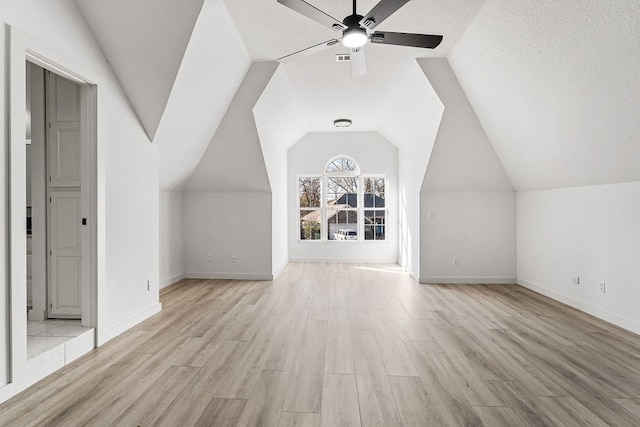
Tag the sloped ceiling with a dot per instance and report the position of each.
(144, 42)
(210, 74)
(278, 119)
(555, 85)
(462, 157)
(233, 161)
(324, 89)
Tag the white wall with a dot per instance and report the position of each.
(280, 125)
(412, 163)
(127, 207)
(374, 154)
(223, 225)
(467, 200)
(412, 127)
(227, 202)
(171, 238)
(477, 227)
(591, 232)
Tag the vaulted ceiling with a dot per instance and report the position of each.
(553, 83)
(144, 42)
(324, 88)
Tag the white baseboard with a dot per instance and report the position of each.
(230, 276)
(109, 334)
(346, 260)
(279, 269)
(620, 321)
(171, 280)
(470, 280)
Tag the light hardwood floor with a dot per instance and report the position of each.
(348, 345)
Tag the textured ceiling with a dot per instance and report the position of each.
(324, 89)
(555, 86)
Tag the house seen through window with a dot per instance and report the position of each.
(342, 204)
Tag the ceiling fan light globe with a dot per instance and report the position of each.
(354, 37)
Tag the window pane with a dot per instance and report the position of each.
(310, 224)
(379, 193)
(342, 165)
(374, 225)
(342, 224)
(342, 192)
(309, 192)
(374, 192)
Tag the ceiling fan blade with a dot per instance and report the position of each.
(308, 51)
(358, 62)
(314, 13)
(427, 41)
(380, 12)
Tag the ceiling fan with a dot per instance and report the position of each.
(357, 29)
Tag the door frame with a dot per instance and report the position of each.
(22, 48)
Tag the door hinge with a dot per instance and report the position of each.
(49, 199)
(84, 221)
(50, 305)
(49, 125)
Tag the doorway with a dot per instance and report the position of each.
(56, 256)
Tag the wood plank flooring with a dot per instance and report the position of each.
(347, 345)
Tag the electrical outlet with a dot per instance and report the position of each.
(234, 258)
(456, 262)
(210, 258)
(603, 287)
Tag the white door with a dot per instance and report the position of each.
(64, 192)
(65, 255)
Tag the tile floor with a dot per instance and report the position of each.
(45, 335)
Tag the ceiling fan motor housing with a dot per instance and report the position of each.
(352, 21)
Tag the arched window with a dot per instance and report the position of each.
(342, 204)
(342, 165)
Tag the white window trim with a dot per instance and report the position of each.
(324, 229)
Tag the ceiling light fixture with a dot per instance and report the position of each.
(342, 123)
(354, 37)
